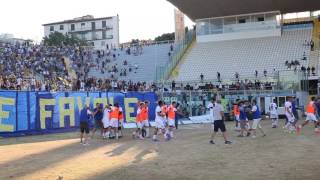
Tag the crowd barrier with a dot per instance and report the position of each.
(28, 113)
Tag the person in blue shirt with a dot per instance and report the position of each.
(98, 115)
(294, 111)
(256, 114)
(85, 114)
(243, 120)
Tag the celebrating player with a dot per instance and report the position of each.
(256, 119)
(160, 121)
(171, 118)
(273, 110)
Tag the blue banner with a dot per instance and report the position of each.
(44, 112)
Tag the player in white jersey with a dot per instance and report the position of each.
(289, 115)
(106, 121)
(273, 111)
(210, 107)
(160, 124)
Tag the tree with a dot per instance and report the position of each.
(58, 39)
(165, 37)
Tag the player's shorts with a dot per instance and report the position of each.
(290, 118)
(237, 117)
(311, 117)
(274, 116)
(143, 124)
(106, 123)
(97, 124)
(120, 123)
(256, 123)
(84, 127)
(171, 122)
(114, 123)
(219, 124)
(243, 124)
(160, 124)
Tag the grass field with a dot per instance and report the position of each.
(279, 155)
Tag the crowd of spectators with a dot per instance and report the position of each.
(235, 86)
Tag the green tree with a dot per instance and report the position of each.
(165, 37)
(58, 39)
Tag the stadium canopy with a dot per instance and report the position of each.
(200, 9)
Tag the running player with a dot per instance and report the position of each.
(171, 118)
(311, 115)
(273, 110)
(256, 119)
(289, 116)
(160, 116)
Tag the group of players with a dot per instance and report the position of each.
(242, 108)
(110, 120)
(164, 121)
(312, 113)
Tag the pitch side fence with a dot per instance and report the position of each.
(28, 113)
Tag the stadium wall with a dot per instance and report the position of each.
(28, 113)
(239, 35)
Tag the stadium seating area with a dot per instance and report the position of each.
(246, 56)
(142, 65)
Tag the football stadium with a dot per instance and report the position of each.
(235, 96)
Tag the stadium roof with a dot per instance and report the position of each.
(199, 9)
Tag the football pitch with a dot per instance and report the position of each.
(189, 155)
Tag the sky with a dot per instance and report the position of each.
(139, 19)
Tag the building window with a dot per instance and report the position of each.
(83, 36)
(72, 27)
(51, 28)
(260, 19)
(83, 24)
(104, 36)
(103, 43)
(61, 27)
(241, 21)
(104, 24)
(93, 25)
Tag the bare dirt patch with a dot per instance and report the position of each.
(279, 155)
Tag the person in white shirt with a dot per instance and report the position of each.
(81, 86)
(290, 119)
(218, 117)
(210, 107)
(273, 111)
(19, 82)
(106, 121)
(160, 124)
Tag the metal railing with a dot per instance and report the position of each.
(278, 80)
(164, 72)
(194, 103)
